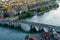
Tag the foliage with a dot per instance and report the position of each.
(26, 14)
(1, 6)
(6, 6)
(40, 9)
(6, 14)
(17, 14)
(57, 5)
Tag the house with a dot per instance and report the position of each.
(24, 8)
(11, 11)
(1, 15)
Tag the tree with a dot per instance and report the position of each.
(26, 14)
(7, 6)
(6, 14)
(1, 6)
(40, 9)
(29, 14)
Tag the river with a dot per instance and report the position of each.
(11, 34)
(52, 18)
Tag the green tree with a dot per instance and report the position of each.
(26, 14)
(6, 14)
(40, 9)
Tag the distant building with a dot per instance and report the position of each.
(1, 15)
(11, 11)
(19, 8)
(24, 8)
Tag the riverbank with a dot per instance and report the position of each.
(52, 17)
(39, 11)
(42, 10)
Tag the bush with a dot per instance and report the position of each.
(40, 9)
(6, 14)
(57, 5)
(17, 14)
(26, 14)
(1, 6)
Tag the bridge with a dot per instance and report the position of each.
(19, 22)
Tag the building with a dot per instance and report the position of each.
(11, 11)
(24, 8)
(1, 15)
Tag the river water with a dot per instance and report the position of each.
(52, 18)
(11, 34)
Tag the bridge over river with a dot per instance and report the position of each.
(27, 25)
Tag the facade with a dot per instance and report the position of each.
(11, 11)
(24, 8)
(1, 15)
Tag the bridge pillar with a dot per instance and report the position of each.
(6, 24)
(18, 26)
(0, 23)
(11, 24)
(34, 28)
